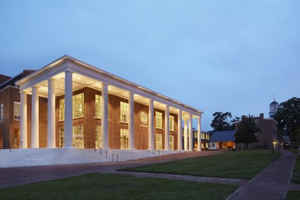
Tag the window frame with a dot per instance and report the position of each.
(124, 105)
(158, 122)
(17, 118)
(98, 106)
(172, 125)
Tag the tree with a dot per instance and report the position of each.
(246, 130)
(222, 121)
(288, 119)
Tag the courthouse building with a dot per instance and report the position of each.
(69, 104)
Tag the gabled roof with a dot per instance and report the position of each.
(222, 136)
(3, 78)
(107, 74)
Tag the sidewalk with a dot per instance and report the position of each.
(271, 184)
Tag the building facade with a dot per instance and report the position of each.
(71, 104)
(10, 110)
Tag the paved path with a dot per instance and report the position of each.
(185, 177)
(272, 183)
(24, 175)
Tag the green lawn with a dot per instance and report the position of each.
(296, 174)
(244, 164)
(293, 195)
(110, 186)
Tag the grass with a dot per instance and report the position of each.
(116, 187)
(244, 164)
(293, 195)
(296, 173)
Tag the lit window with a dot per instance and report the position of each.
(98, 141)
(78, 105)
(124, 112)
(158, 142)
(61, 110)
(158, 120)
(1, 111)
(123, 138)
(17, 110)
(171, 142)
(60, 137)
(171, 123)
(78, 140)
(98, 102)
(144, 117)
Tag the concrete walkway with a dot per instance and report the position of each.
(185, 177)
(272, 183)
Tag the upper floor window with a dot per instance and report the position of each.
(171, 123)
(78, 105)
(124, 112)
(98, 103)
(158, 120)
(16, 110)
(61, 110)
(144, 118)
(1, 111)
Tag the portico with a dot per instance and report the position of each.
(70, 104)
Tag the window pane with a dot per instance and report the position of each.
(124, 138)
(98, 137)
(158, 142)
(158, 119)
(98, 103)
(16, 110)
(60, 137)
(171, 142)
(171, 123)
(124, 112)
(1, 111)
(61, 110)
(78, 105)
(78, 140)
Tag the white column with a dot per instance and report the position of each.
(68, 135)
(191, 133)
(23, 120)
(104, 120)
(131, 120)
(151, 125)
(51, 114)
(199, 133)
(179, 131)
(185, 135)
(35, 118)
(167, 128)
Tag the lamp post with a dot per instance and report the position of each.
(275, 145)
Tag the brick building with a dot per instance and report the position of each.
(71, 104)
(10, 110)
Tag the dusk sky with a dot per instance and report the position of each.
(234, 55)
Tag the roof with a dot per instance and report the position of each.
(12, 81)
(4, 78)
(274, 103)
(98, 70)
(222, 136)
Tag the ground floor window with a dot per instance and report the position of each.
(78, 139)
(158, 141)
(60, 143)
(171, 142)
(123, 138)
(98, 142)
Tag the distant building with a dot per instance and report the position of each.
(222, 140)
(268, 131)
(273, 108)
